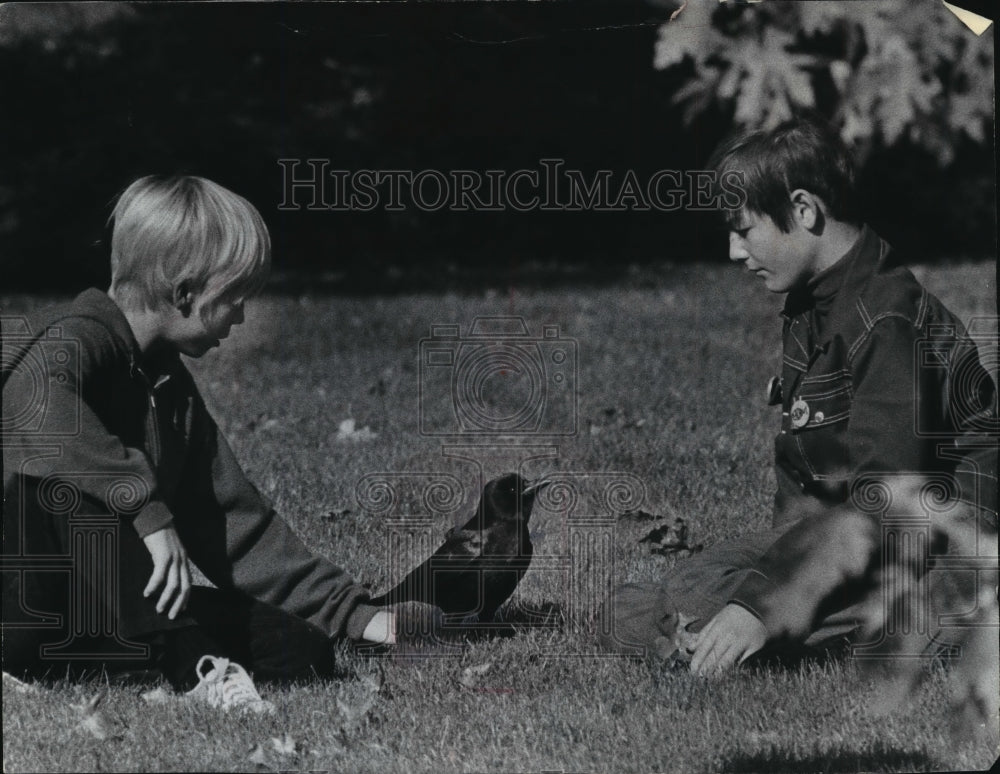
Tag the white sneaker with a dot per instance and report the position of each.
(227, 685)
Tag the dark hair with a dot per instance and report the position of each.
(800, 153)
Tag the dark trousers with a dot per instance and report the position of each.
(72, 604)
(638, 614)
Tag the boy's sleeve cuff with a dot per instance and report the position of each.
(154, 517)
(359, 619)
(753, 593)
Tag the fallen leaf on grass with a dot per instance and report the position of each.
(158, 695)
(355, 713)
(686, 639)
(471, 674)
(258, 756)
(95, 721)
(678, 644)
(680, 553)
(670, 538)
(346, 432)
(373, 683)
(284, 745)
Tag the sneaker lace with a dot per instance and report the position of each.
(228, 685)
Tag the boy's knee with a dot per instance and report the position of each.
(300, 654)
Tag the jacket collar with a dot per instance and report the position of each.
(823, 301)
(97, 304)
(844, 279)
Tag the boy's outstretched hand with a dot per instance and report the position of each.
(732, 636)
(170, 567)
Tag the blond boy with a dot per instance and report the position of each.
(122, 410)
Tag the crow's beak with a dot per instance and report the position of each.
(536, 485)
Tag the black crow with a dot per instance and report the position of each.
(480, 563)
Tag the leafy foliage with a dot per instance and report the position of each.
(882, 72)
(106, 92)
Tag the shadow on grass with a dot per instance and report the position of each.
(423, 631)
(836, 760)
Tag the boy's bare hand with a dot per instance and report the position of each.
(170, 567)
(732, 636)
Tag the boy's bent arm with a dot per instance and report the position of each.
(238, 541)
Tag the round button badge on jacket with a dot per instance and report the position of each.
(800, 413)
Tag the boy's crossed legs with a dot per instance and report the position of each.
(699, 587)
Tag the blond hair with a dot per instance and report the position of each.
(186, 232)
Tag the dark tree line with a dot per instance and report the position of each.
(95, 95)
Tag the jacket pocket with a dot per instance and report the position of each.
(820, 414)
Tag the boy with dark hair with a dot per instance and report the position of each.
(852, 396)
(124, 432)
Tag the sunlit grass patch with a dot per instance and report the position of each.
(672, 377)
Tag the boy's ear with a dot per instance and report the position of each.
(183, 298)
(807, 209)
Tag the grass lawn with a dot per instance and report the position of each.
(672, 369)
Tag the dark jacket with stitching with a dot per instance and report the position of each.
(878, 379)
(84, 415)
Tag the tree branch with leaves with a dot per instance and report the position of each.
(881, 72)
